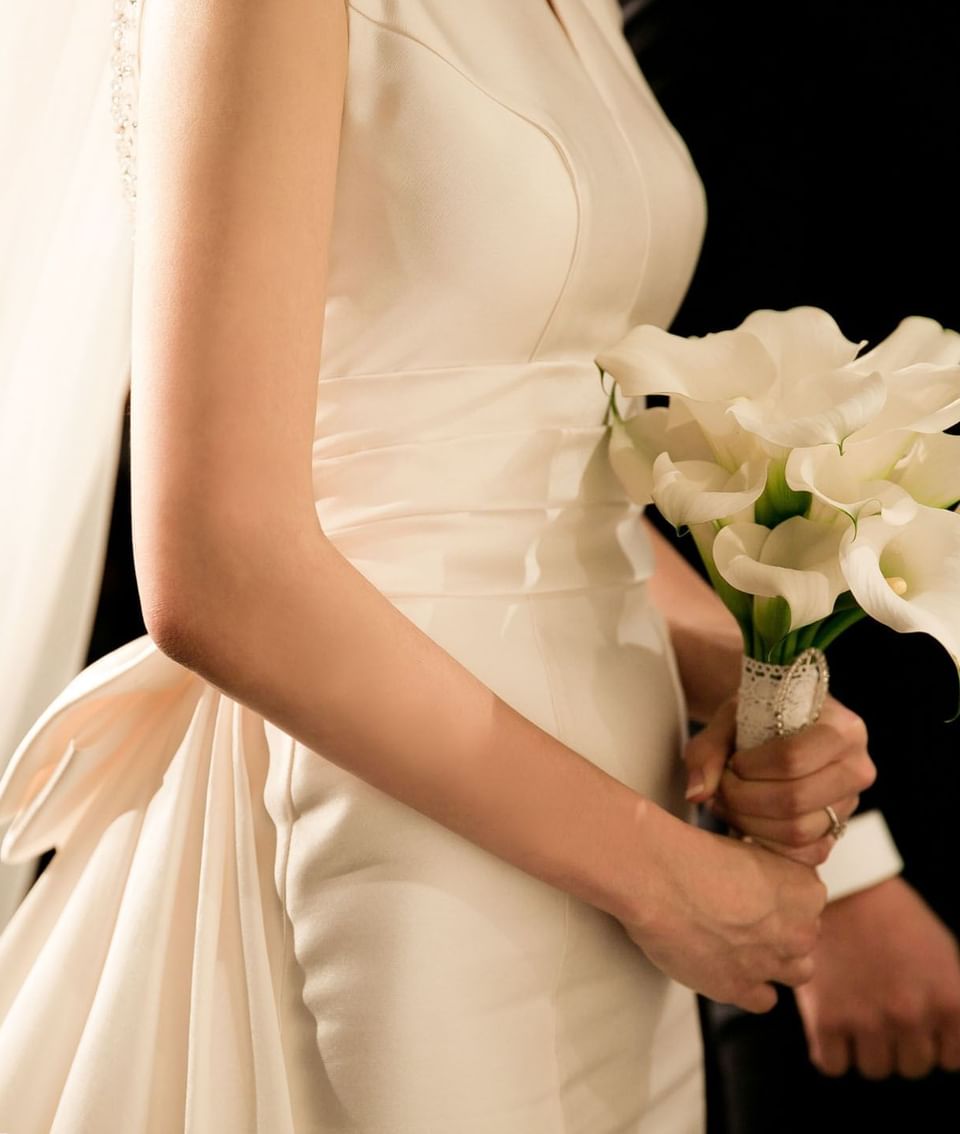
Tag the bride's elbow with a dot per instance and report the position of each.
(178, 574)
(208, 584)
(173, 615)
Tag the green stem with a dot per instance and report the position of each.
(757, 650)
(788, 648)
(807, 635)
(612, 408)
(831, 628)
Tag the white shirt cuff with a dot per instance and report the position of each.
(865, 856)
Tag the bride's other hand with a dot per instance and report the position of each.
(723, 917)
(778, 792)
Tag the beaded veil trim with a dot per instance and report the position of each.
(123, 92)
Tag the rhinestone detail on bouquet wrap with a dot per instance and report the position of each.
(123, 92)
(777, 700)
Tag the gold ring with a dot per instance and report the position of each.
(836, 827)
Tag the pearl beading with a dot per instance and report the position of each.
(123, 92)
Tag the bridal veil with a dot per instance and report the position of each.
(66, 252)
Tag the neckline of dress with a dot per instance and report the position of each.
(561, 13)
(557, 16)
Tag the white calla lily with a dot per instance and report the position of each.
(636, 442)
(783, 377)
(923, 398)
(858, 481)
(633, 446)
(908, 576)
(694, 492)
(915, 339)
(685, 438)
(930, 470)
(804, 469)
(801, 341)
(797, 561)
(716, 367)
(824, 409)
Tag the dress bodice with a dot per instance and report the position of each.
(508, 187)
(506, 191)
(510, 199)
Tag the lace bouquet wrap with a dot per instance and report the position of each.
(776, 700)
(817, 481)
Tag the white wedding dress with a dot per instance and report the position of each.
(237, 934)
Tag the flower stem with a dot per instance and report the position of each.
(612, 408)
(757, 650)
(831, 628)
(807, 635)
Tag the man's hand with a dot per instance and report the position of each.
(885, 994)
(777, 792)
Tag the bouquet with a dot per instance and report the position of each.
(816, 480)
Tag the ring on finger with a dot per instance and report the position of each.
(837, 828)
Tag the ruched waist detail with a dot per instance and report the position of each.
(475, 480)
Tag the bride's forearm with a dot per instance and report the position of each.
(704, 633)
(289, 627)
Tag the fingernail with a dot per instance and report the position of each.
(695, 784)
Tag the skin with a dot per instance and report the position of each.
(238, 138)
(775, 793)
(885, 995)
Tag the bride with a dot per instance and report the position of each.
(382, 827)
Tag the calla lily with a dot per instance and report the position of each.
(858, 481)
(685, 439)
(801, 341)
(694, 492)
(637, 441)
(701, 375)
(915, 339)
(923, 398)
(633, 446)
(908, 576)
(715, 368)
(881, 474)
(782, 376)
(824, 409)
(797, 561)
(804, 469)
(930, 470)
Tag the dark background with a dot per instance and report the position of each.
(827, 139)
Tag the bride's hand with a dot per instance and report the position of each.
(725, 917)
(777, 793)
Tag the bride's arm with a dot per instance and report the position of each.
(705, 635)
(239, 121)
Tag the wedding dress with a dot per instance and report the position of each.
(236, 934)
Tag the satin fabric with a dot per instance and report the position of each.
(238, 934)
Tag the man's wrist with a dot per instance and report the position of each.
(865, 856)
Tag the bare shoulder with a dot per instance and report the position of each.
(240, 107)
